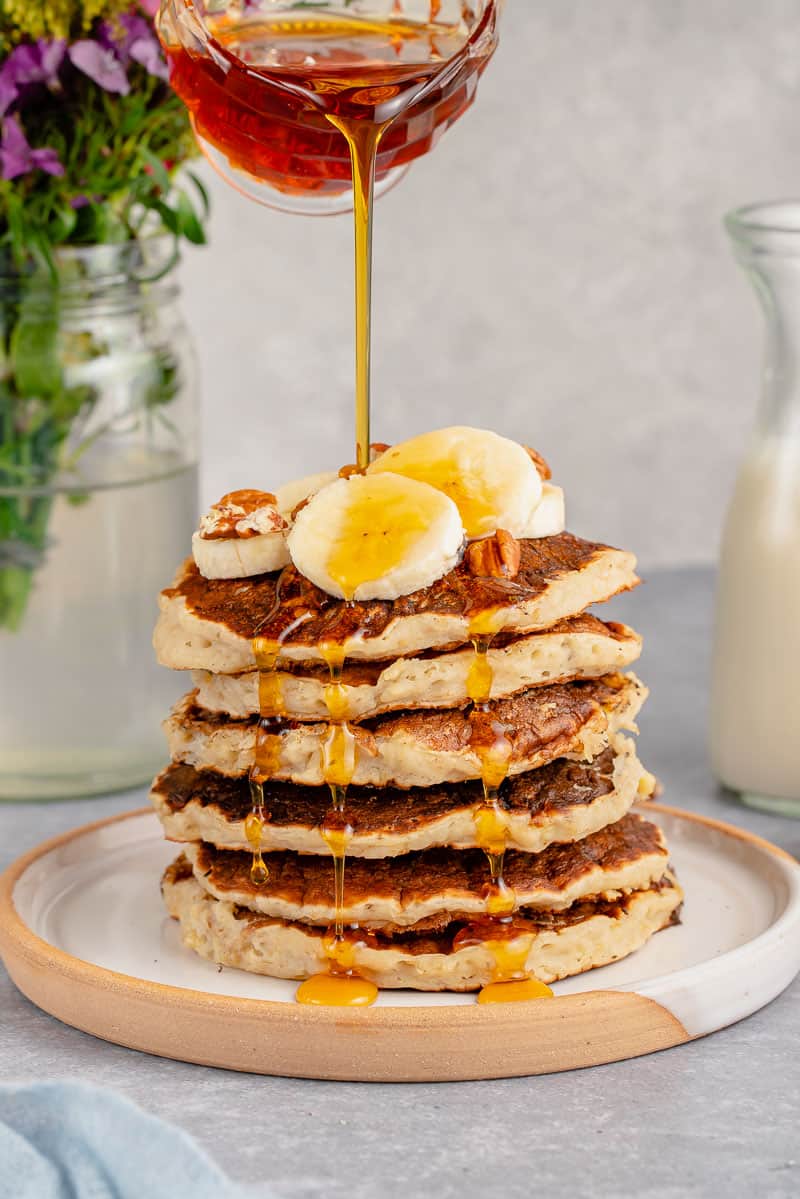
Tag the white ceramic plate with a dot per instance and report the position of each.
(90, 903)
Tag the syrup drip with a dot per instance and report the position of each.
(254, 831)
(490, 741)
(267, 754)
(271, 724)
(509, 948)
(341, 986)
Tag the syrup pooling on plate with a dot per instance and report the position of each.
(514, 992)
(341, 986)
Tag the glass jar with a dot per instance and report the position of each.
(755, 730)
(98, 498)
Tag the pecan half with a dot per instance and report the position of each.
(539, 462)
(347, 472)
(248, 500)
(494, 557)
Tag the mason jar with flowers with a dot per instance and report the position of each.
(98, 400)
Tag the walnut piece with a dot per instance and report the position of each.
(494, 557)
(246, 513)
(539, 462)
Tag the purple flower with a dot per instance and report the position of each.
(17, 158)
(101, 65)
(137, 43)
(8, 92)
(148, 55)
(30, 65)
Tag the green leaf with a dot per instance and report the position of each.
(159, 171)
(62, 223)
(205, 199)
(169, 216)
(34, 354)
(190, 225)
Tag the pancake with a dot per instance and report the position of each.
(422, 748)
(626, 856)
(209, 624)
(580, 647)
(589, 933)
(564, 801)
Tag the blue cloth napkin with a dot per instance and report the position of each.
(69, 1140)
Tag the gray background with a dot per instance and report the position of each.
(555, 270)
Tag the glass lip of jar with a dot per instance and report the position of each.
(101, 266)
(770, 227)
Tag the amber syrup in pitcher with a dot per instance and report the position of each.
(265, 89)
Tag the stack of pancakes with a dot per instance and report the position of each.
(456, 874)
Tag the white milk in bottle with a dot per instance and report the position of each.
(755, 700)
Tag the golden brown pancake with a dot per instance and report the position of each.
(209, 624)
(580, 647)
(422, 749)
(563, 801)
(457, 956)
(628, 855)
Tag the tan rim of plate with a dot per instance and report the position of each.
(402, 1044)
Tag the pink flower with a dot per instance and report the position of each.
(151, 7)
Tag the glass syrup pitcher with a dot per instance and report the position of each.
(755, 717)
(268, 84)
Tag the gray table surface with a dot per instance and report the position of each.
(717, 1117)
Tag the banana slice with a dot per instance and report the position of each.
(291, 494)
(242, 535)
(549, 516)
(376, 537)
(493, 481)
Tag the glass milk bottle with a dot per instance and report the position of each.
(755, 702)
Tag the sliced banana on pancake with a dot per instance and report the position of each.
(293, 493)
(549, 517)
(380, 537)
(242, 535)
(493, 481)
